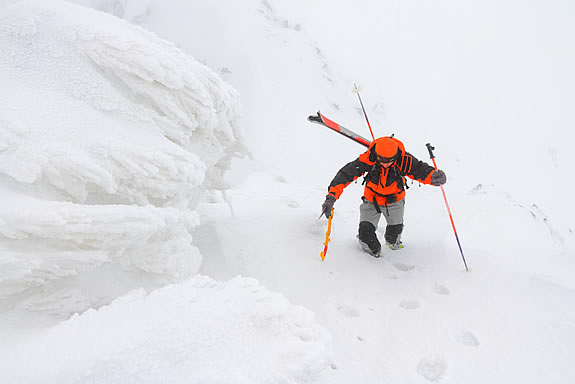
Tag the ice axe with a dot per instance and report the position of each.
(324, 252)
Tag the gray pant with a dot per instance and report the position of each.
(393, 212)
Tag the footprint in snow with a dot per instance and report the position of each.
(403, 267)
(318, 227)
(409, 304)
(440, 289)
(432, 368)
(292, 204)
(348, 311)
(467, 338)
(390, 276)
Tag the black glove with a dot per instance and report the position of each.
(327, 205)
(438, 177)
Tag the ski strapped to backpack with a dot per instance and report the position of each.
(322, 120)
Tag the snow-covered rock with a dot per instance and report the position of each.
(109, 136)
(119, 115)
(48, 241)
(200, 331)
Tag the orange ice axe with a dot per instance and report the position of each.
(324, 252)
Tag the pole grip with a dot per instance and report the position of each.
(430, 148)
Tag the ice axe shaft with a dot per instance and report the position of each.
(430, 148)
(324, 252)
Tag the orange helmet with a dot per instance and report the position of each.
(387, 150)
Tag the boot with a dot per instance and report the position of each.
(368, 239)
(393, 235)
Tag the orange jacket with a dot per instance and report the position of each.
(382, 185)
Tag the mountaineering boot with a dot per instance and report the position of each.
(393, 235)
(368, 239)
(395, 246)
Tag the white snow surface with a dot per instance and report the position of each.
(185, 333)
(138, 243)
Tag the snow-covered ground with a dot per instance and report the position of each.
(161, 186)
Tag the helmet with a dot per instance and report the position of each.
(387, 150)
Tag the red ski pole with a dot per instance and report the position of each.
(432, 156)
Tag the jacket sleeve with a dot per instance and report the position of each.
(415, 169)
(347, 174)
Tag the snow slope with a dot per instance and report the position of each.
(488, 84)
(414, 316)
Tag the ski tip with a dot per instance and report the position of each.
(315, 118)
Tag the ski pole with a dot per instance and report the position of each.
(324, 252)
(432, 156)
(356, 89)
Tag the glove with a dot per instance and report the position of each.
(438, 177)
(327, 205)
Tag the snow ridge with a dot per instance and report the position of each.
(186, 333)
